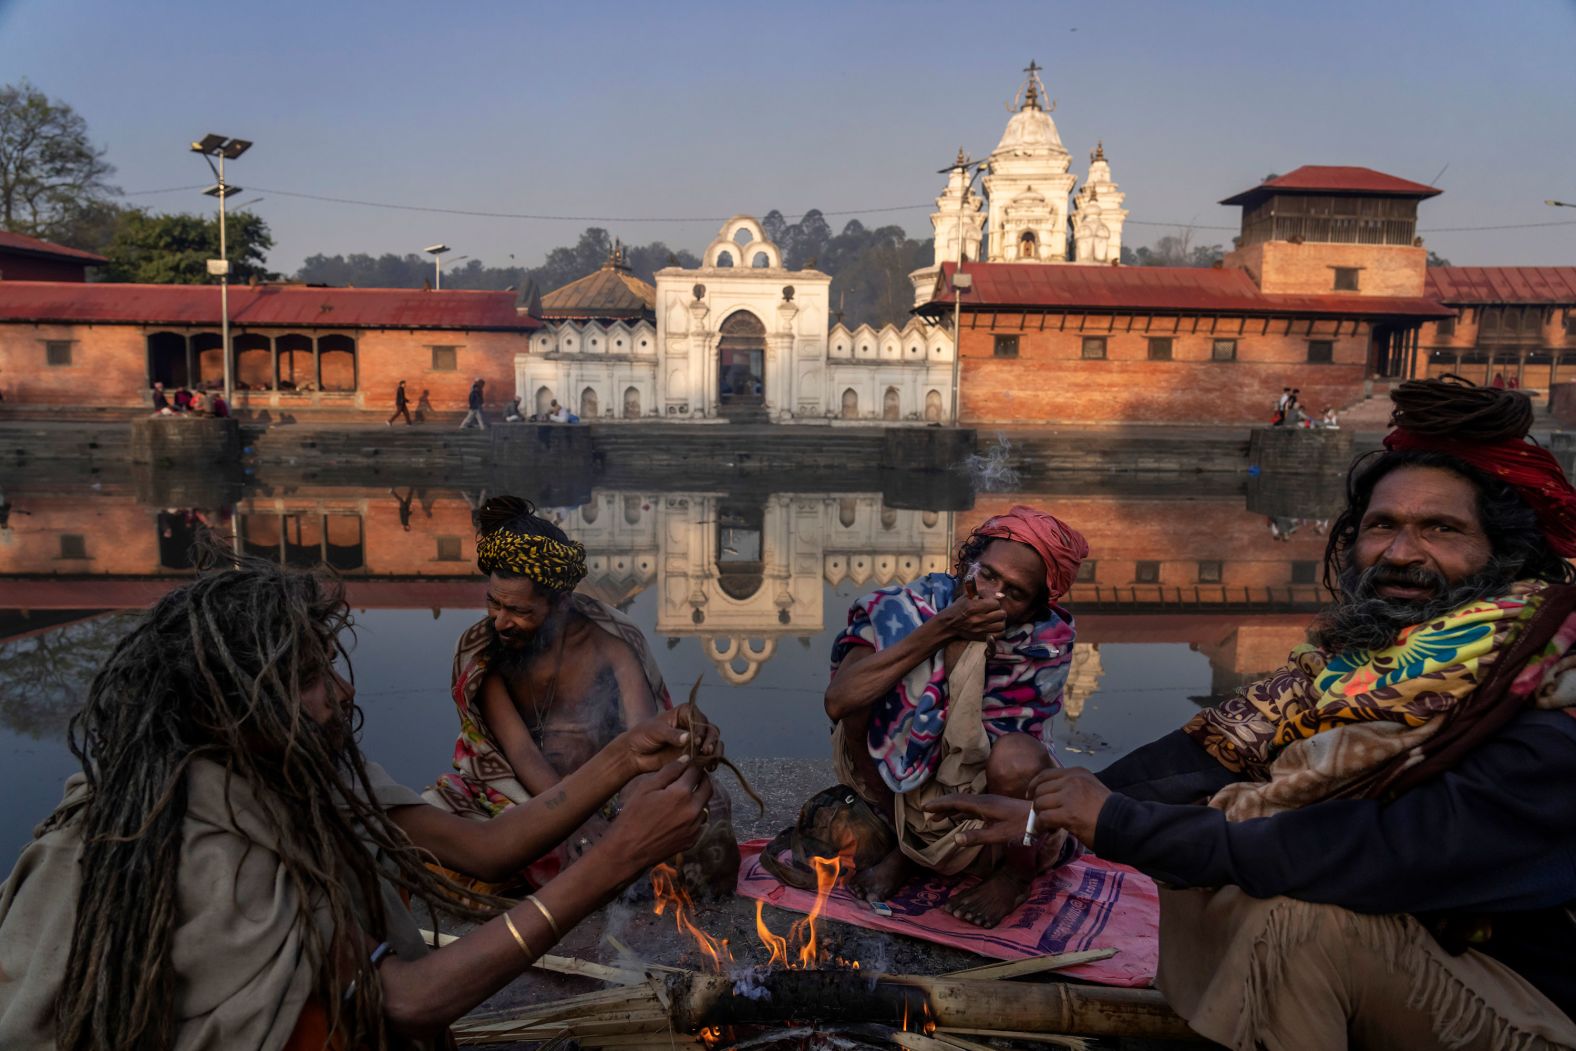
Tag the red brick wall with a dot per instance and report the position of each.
(109, 367)
(1050, 382)
(1309, 268)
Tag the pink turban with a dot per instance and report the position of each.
(1059, 545)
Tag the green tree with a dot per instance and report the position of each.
(174, 249)
(51, 175)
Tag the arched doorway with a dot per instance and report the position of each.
(544, 402)
(933, 406)
(890, 405)
(631, 403)
(850, 404)
(168, 364)
(741, 363)
(1028, 246)
(588, 404)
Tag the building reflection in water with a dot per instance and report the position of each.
(742, 575)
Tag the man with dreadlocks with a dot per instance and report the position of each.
(1388, 854)
(227, 870)
(545, 681)
(949, 684)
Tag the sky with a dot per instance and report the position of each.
(610, 113)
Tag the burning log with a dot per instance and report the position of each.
(918, 1004)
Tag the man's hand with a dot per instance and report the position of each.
(1004, 818)
(666, 736)
(1070, 798)
(664, 818)
(974, 617)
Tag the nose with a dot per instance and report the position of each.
(1405, 549)
(346, 688)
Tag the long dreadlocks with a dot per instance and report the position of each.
(215, 671)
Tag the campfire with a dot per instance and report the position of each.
(802, 996)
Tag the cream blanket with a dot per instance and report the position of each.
(240, 954)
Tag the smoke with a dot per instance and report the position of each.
(992, 471)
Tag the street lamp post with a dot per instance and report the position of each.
(436, 251)
(961, 282)
(211, 146)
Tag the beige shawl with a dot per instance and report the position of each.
(243, 970)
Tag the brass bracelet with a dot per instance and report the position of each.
(552, 924)
(519, 938)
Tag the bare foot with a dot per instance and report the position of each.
(881, 880)
(985, 904)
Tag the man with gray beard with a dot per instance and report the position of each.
(1387, 857)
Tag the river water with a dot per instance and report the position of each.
(1187, 593)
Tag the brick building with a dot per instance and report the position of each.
(1326, 288)
(1517, 322)
(24, 258)
(295, 347)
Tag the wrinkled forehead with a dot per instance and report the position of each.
(1409, 494)
(512, 591)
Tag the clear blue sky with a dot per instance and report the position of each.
(707, 109)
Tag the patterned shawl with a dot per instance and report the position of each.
(483, 784)
(1024, 675)
(1361, 723)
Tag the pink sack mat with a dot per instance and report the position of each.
(1085, 904)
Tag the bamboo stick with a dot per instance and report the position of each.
(1033, 965)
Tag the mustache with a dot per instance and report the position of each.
(1381, 575)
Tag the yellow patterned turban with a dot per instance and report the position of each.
(551, 563)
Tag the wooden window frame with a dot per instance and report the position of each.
(1170, 344)
(439, 350)
(1210, 571)
(1146, 571)
(1327, 357)
(1347, 273)
(1214, 350)
(1096, 343)
(53, 347)
(1004, 346)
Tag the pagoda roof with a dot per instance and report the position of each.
(1345, 180)
(610, 293)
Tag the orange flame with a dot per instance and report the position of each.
(800, 950)
(776, 944)
(665, 887)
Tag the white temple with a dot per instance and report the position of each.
(1028, 205)
(743, 338)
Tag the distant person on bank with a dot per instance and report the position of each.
(512, 413)
(401, 405)
(544, 682)
(228, 869)
(217, 406)
(161, 401)
(1386, 857)
(949, 684)
(424, 406)
(475, 401)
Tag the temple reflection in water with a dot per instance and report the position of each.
(741, 574)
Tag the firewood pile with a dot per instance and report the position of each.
(754, 1009)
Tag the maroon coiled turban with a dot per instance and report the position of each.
(1059, 545)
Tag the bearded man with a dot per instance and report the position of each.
(1388, 854)
(949, 684)
(544, 682)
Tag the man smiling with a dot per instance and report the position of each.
(1388, 854)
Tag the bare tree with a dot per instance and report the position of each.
(50, 172)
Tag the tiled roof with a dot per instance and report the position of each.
(1169, 289)
(1503, 284)
(1339, 179)
(611, 292)
(267, 306)
(35, 246)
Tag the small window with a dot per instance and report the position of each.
(449, 549)
(1345, 278)
(1224, 350)
(1147, 573)
(1006, 346)
(1304, 572)
(1446, 327)
(1209, 572)
(1086, 571)
(73, 545)
(445, 359)
(1160, 348)
(57, 352)
(1094, 348)
(1321, 351)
